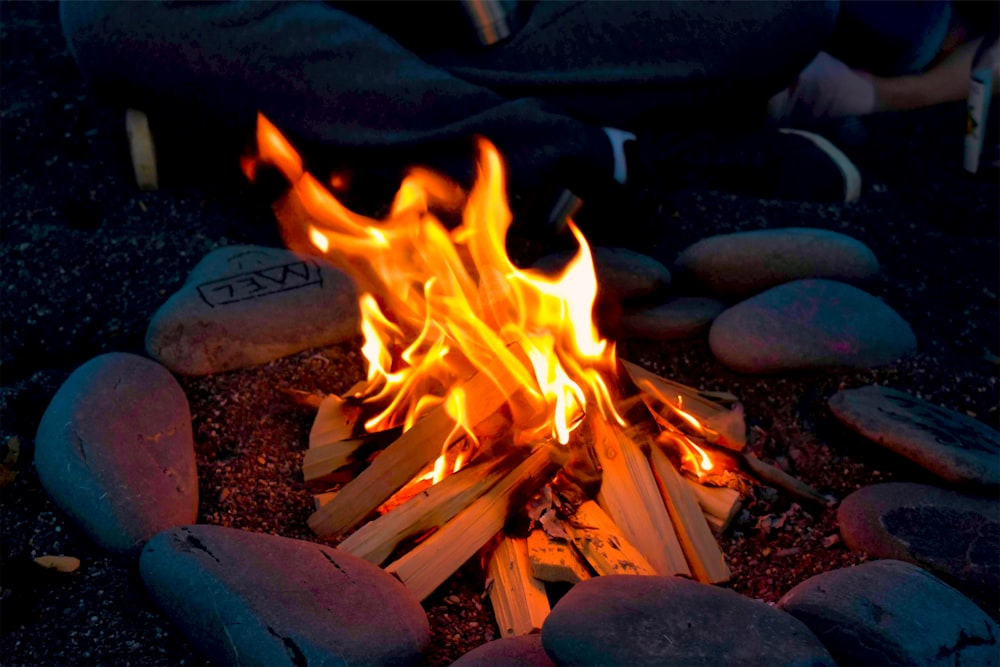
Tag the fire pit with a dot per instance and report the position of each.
(492, 407)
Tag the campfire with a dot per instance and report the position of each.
(494, 419)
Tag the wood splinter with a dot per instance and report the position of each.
(601, 542)
(519, 600)
(555, 560)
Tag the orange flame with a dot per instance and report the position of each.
(437, 304)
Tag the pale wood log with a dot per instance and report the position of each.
(719, 412)
(519, 601)
(602, 543)
(631, 497)
(336, 420)
(707, 562)
(403, 460)
(142, 150)
(321, 464)
(320, 499)
(720, 504)
(435, 559)
(430, 509)
(555, 560)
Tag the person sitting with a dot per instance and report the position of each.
(577, 95)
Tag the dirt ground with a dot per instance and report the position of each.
(87, 258)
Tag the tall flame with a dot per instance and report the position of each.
(439, 304)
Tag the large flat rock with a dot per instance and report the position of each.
(115, 451)
(955, 447)
(739, 265)
(648, 620)
(246, 305)
(809, 325)
(955, 536)
(889, 612)
(251, 599)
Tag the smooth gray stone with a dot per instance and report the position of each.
(953, 446)
(735, 266)
(252, 599)
(247, 305)
(677, 319)
(955, 536)
(647, 620)
(622, 274)
(115, 450)
(888, 612)
(809, 325)
(523, 651)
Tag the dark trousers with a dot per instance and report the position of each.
(326, 76)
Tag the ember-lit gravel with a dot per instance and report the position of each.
(87, 259)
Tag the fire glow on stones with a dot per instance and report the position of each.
(499, 398)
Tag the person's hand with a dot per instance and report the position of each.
(826, 88)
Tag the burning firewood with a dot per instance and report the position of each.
(336, 420)
(707, 562)
(412, 451)
(428, 510)
(720, 504)
(321, 464)
(435, 559)
(601, 542)
(554, 560)
(630, 496)
(519, 599)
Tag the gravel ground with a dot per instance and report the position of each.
(87, 259)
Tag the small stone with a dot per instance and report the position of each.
(956, 448)
(736, 266)
(622, 275)
(248, 598)
(955, 536)
(889, 612)
(523, 651)
(809, 325)
(247, 305)
(677, 319)
(115, 450)
(647, 620)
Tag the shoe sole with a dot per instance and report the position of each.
(852, 177)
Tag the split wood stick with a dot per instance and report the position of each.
(336, 420)
(519, 601)
(707, 562)
(555, 560)
(602, 543)
(438, 557)
(631, 497)
(321, 463)
(720, 504)
(142, 150)
(431, 508)
(321, 499)
(719, 412)
(406, 457)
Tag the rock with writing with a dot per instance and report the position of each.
(677, 319)
(808, 325)
(649, 620)
(955, 536)
(889, 612)
(247, 305)
(115, 451)
(251, 599)
(523, 651)
(957, 448)
(735, 266)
